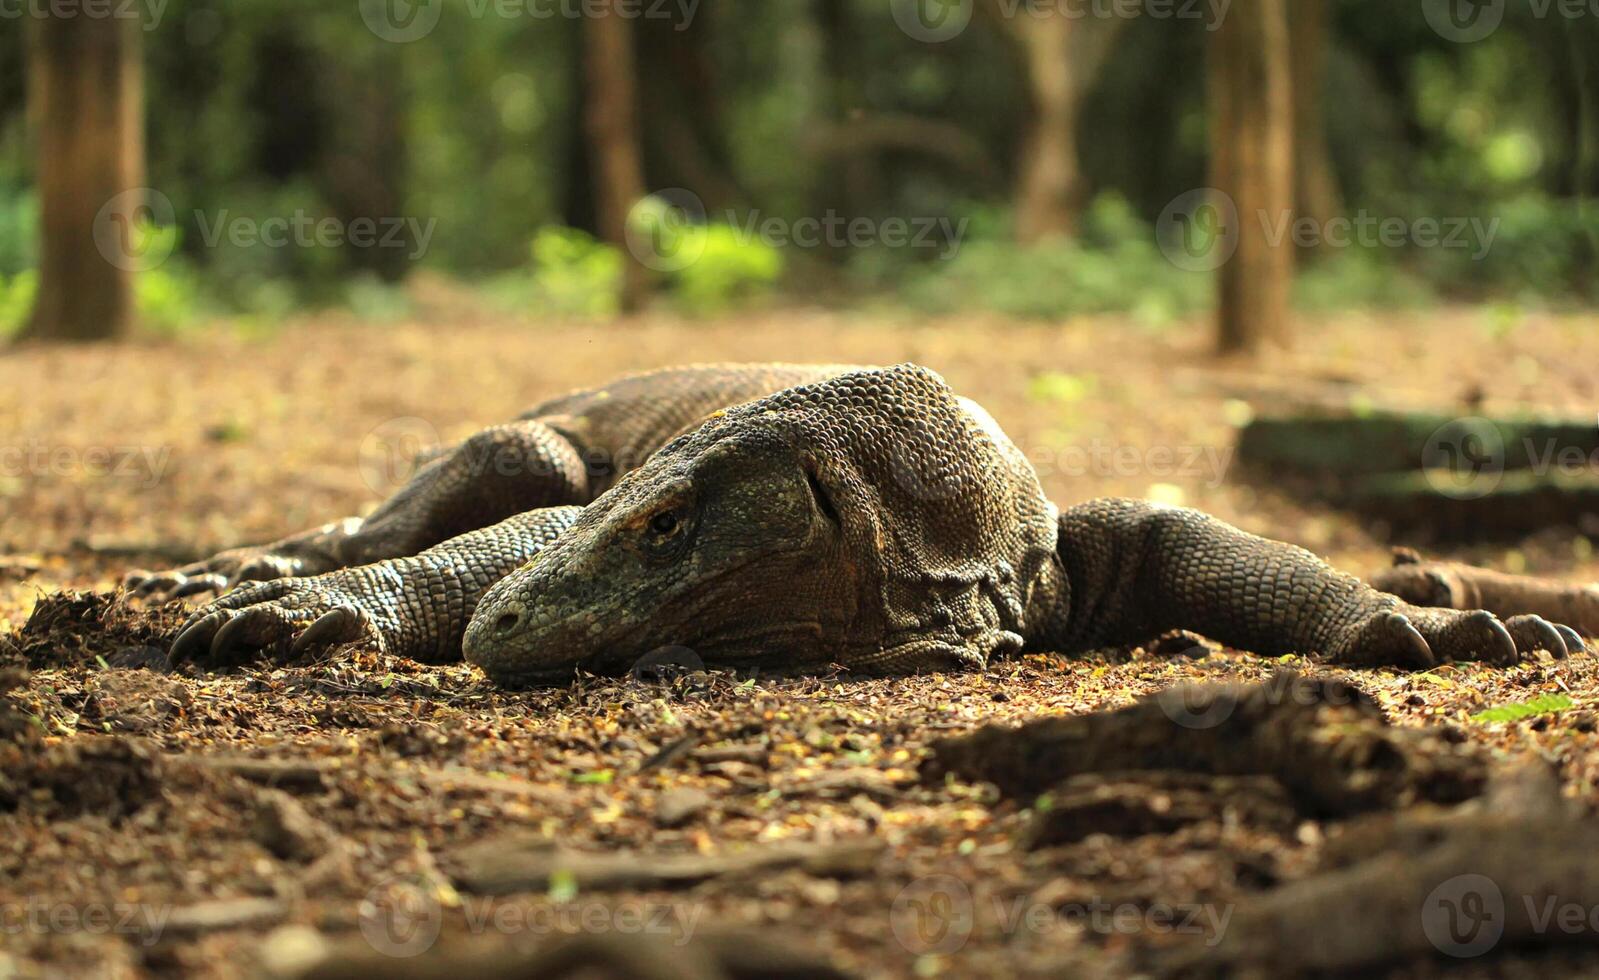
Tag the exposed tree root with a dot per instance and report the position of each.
(623, 956)
(1520, 867)
(1327, 743)
(1138, 803)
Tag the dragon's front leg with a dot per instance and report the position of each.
(499, 472)
(416, 606)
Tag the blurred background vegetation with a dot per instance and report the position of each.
(807, 108)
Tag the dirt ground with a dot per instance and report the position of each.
(210, 824)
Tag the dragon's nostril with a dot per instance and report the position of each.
(507, 622)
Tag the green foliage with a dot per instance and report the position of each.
(1060, 388)
(1114, 266)
(1543, 704)
(19, 230)
(370, 298)
(705, 267)
(281, 107)
(711, 268)
(1358, 278)
(167, 295)
(167, 299)
(1540, 249)
(575, 274)
(16, 300)
(730, 270)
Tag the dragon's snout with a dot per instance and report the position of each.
(499, 640)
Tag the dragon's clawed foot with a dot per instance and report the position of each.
(215, 574)
(310, 553)
(292, 616)
(1421, 637)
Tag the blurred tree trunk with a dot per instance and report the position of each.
(683, 129)
(1316, 190)
(1063, 55)
(579, 194)
(1576, 173)
(361, 171)
(1251, 145)
(852, 176)
(611, 102)
(85, 102)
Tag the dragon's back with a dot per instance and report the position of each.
(620, 424)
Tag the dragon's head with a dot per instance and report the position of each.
(862, 520)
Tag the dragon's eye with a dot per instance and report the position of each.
(664, 523)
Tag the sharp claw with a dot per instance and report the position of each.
(233, 629)
(337, 625)
(1574, 641)
(1507, 654)
(1411, 640)
(1535, 633)
(196, 637)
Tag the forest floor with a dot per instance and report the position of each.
(212, 823)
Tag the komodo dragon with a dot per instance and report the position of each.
(788, 517)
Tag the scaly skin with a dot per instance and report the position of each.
(870, 519)
(564, 451)
(417, 606)
(1138, 570)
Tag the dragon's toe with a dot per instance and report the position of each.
(1532, 633)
